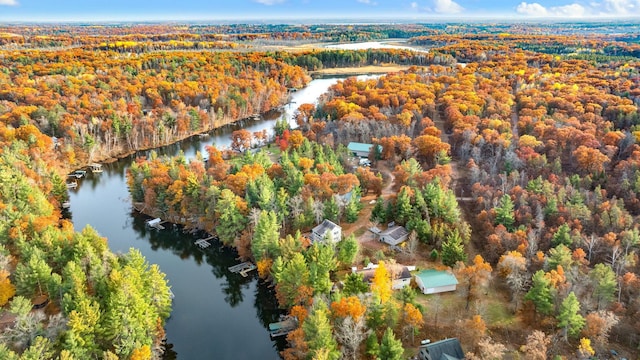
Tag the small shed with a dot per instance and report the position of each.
(361, 149)
(394, 235)
(447, 349)
(434, 281)
(322, 231)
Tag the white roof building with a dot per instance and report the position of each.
(322, 231)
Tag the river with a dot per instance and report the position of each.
(216, 314)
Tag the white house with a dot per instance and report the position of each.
(432, 281)
(322, 231)
(394, 235)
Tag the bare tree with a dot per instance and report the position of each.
(536, 346)
(616, 259)
(318, 210)
(518, 282)
(599, 325)
(350, 333)
(412, 243)
(254, 216)
(295, 203)
(592, 244)
(487, 349)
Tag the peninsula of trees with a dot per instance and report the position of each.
(512, 158)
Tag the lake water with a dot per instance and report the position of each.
(216, 314)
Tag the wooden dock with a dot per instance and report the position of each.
(204, 243)
(243, 268)
(156, 223)
(283, 327)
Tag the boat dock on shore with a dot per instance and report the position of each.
(243, 268)
(156, 223)
(281, 328)
(205, 242)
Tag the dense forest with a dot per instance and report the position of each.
(512, 159)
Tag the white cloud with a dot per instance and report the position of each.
(264, 2)
(572, 10)
(446, 7)
(414, 5)
(537, 10)
(533, 9)
(8, 2)
(576, 10)
(620, 7)
(368, 2)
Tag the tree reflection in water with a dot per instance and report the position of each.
(220, 258)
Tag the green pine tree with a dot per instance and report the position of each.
(569, 318)
(348, 250)
(453, 249)
(331, 210)
(403, 208)
(390, 347)
(265, 236)
(354, 285)
(605, 283)
(372, 346)
(379, 212)
(541, 293)
(504, 213)
(231, 221)
(559, 255)
(351, 210)
(322, 261)
(562, 236)
(318, 333)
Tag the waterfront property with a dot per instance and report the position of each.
(432, 281)
(325, 230)
(447, 349)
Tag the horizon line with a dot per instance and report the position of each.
(506, 19)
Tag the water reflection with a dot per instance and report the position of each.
(213, 316)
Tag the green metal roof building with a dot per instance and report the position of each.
(432, 281)
(361, 149)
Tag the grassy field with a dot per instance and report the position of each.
(371, 69)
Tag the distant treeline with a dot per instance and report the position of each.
(317, 60)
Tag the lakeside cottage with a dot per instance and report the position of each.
(432, 281)
(394, 235)
(322, 231)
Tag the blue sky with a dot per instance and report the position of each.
(225, 10)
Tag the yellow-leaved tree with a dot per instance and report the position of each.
(381, 282)
(141, 353)
(7, 290)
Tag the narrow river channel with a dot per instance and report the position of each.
(216, 314)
